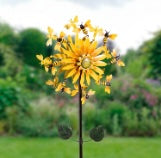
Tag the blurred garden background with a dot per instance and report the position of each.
(30, 110)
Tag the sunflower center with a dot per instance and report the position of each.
(86, 63)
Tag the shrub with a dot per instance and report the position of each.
(39, 120)
(10, 65)
(11, 94)
(31, 43)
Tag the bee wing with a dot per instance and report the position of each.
(107, 89)
(75, 19)
(91, 29)
(50, 30)
(59, 87)
(49, 42)
(53, 70)
(46, 69)
(74, 92)
(100, 32)
(62, 34)
(55, 82)
(39, 57)
(108, 78)
(112, 36)
(87, 23)
(76, 86)
(57, 46)
(120, 63)
(91, 92)
(108, 56)
(67, 26)
(55, 37)
(67, 90)
(113, 53)
(76, 30)
(83, 99)
(49, 83)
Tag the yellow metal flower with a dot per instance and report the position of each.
(85, 59)
(80, 58)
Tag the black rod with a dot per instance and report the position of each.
(80, 120)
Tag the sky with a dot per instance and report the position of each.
(133, 20)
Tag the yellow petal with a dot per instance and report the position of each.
(98, 50)
(39, 57)
(98, 70)
(71, 73)
(100, 57)
(58, 56)
(100, 63)
(68, 67)
(94, 75)
(88, 78)
(68, 53)
(76, 77)
(67, 60)
(82, 79)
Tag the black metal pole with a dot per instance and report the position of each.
(80, 120)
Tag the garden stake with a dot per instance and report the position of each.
(80, 58)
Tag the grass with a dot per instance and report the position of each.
(57, 148)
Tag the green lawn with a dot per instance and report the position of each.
(57, 148)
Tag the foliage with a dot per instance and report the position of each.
(10, 65)
(32, 41)
(39, 120)
(8, 36)
(10, 95)
(152, 49)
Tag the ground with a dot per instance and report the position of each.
(57, 148)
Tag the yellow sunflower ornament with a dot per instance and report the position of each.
(81, 58)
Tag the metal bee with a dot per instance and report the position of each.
(108, 35)
(64, 131)
(97, 133)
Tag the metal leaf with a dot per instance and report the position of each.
(97, 133)
(64, 131)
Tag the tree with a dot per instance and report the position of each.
(32, 42)
(152, 48)
(7, 35)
